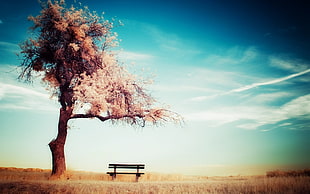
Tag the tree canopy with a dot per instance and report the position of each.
(71, 47)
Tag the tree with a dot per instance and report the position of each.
(71, 48)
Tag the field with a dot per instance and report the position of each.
(13, 180)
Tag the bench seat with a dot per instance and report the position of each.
(111, 173)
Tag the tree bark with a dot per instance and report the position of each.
(57, 146)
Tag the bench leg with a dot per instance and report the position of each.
(137, 177)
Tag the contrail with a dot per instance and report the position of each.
(244, 88)
(248, 87)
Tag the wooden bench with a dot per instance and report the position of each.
(126, 166)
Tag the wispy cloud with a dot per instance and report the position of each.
(188, 88)
(253, 117)
(134, 56)
(252, 110)
(171, 42)
(162, 40)
(17, 97)
(298, 108)
(1, 22)
(224, 115)
(264, 98)
(292, 65)
(233, 56)
(13, 89)
(10, 47)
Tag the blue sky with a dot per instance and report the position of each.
(237, 71)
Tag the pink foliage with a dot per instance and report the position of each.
(72, 52)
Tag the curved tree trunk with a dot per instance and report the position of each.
(57, 145)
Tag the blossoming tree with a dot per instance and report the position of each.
(71, 51)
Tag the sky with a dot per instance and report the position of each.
(237, 71)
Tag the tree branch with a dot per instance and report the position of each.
(102, 118)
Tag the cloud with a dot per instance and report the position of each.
(10, 47)
(1, 22)
(213, 78)
(268, 97)
(13, 89)
(134, 56)
(285, 63)
(250, 110)
(223, 73)
(298, 107)
(252, 117)
(224, 115)
(188, 88)
(161, 40)
(244, 67)
(171, 42)
(233, 56)
(17, 97)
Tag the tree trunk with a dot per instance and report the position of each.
(57, 145)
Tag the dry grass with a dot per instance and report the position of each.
(36, 181)
(280, 173)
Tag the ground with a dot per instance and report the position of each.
(14, 180)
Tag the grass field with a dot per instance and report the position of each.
(36, 181)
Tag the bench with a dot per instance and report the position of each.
(126, 166)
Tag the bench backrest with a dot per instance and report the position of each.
(129, 166)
